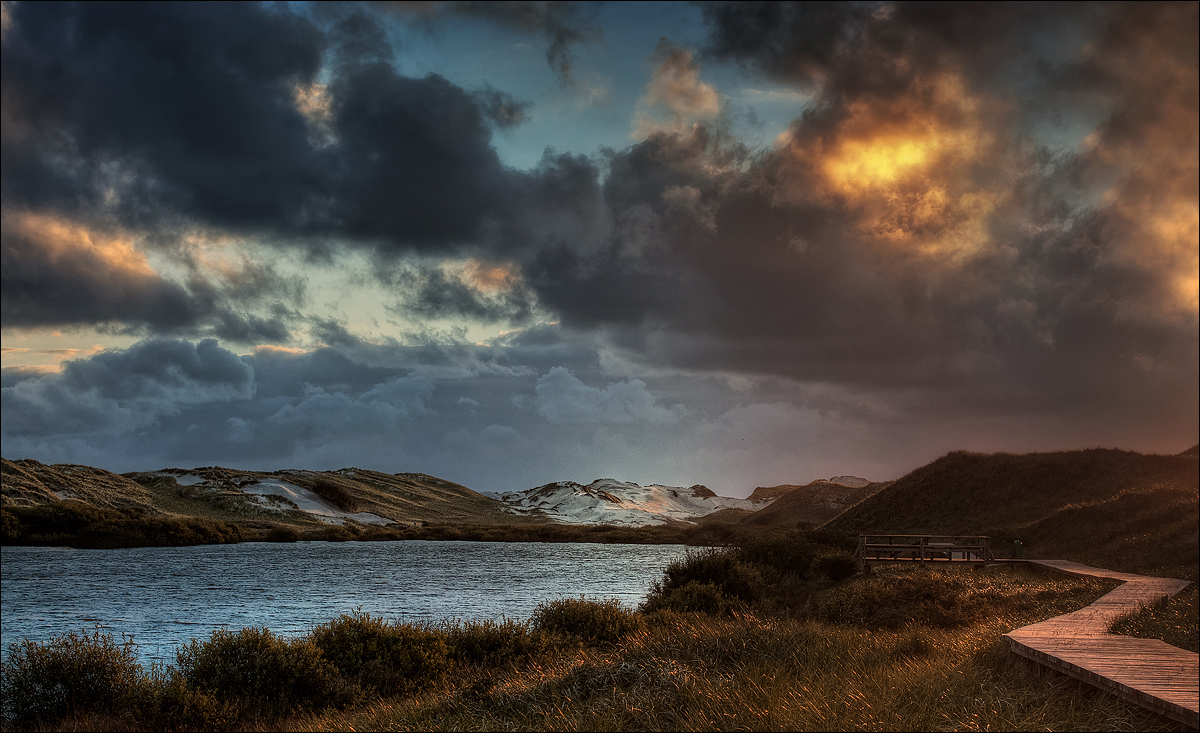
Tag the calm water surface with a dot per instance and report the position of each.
(166, 596)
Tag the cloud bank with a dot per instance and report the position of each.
(982, 225)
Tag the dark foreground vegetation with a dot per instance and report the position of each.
(780, 632)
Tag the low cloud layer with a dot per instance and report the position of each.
(982, 222)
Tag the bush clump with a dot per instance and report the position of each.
(335, 494)
(724, 568)
(282, 533)
(491, 643)
(834, 566)
(597, 622)
(10, 527)
(383, 658)
(786, 554)
(692, 597)
(262, 674)
(71, 674)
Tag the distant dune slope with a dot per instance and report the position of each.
(290, 496)
(1128, 509)
(608, 501)
(30, 483)
(811, 504)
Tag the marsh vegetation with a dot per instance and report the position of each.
(774, 634)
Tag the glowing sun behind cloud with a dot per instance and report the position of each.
(860, 165)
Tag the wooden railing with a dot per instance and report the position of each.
(923, 548)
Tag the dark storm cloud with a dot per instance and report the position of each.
(447, 410)
(192, 110)
(123, 391)
(185, 107)
(910, 234)
(876, 48)
(907, 233)
(56, 273)
(167, 117)
(48, 281)
(415, 164)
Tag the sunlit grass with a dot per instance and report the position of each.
(700, 672)
(1177, 623)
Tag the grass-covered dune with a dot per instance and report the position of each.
(807, 506)
(219, 494)
(83, 506)
(1116, 509)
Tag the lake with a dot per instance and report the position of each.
(166, 596)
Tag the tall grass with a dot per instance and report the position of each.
(689, 671)
(1177, 622)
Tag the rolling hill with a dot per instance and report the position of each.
(302, 498)
(28, 483)
(811, 504)
(1115, 508)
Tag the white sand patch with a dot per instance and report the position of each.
(184, 479)
(63, 494)
(307, 501)
(607, 501)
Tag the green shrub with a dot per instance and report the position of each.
(488, 643)
(334, 533)
(722, 568)
(787, 554)
(282, 533)
(68, 675)
(335, 494)
(180, 707)
(262, 674)
(57, 523)
(832, 539)
(10, 527)
(141, 531)
(834, 566)
(380, 657)
(588, 620)
(692, 597)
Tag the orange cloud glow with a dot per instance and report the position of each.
(901, 164)
(60, 237)
(489, 278)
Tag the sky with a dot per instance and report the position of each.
(730, 244)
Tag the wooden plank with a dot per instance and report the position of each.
(1148, 672)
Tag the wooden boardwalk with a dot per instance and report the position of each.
(1148, 672)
